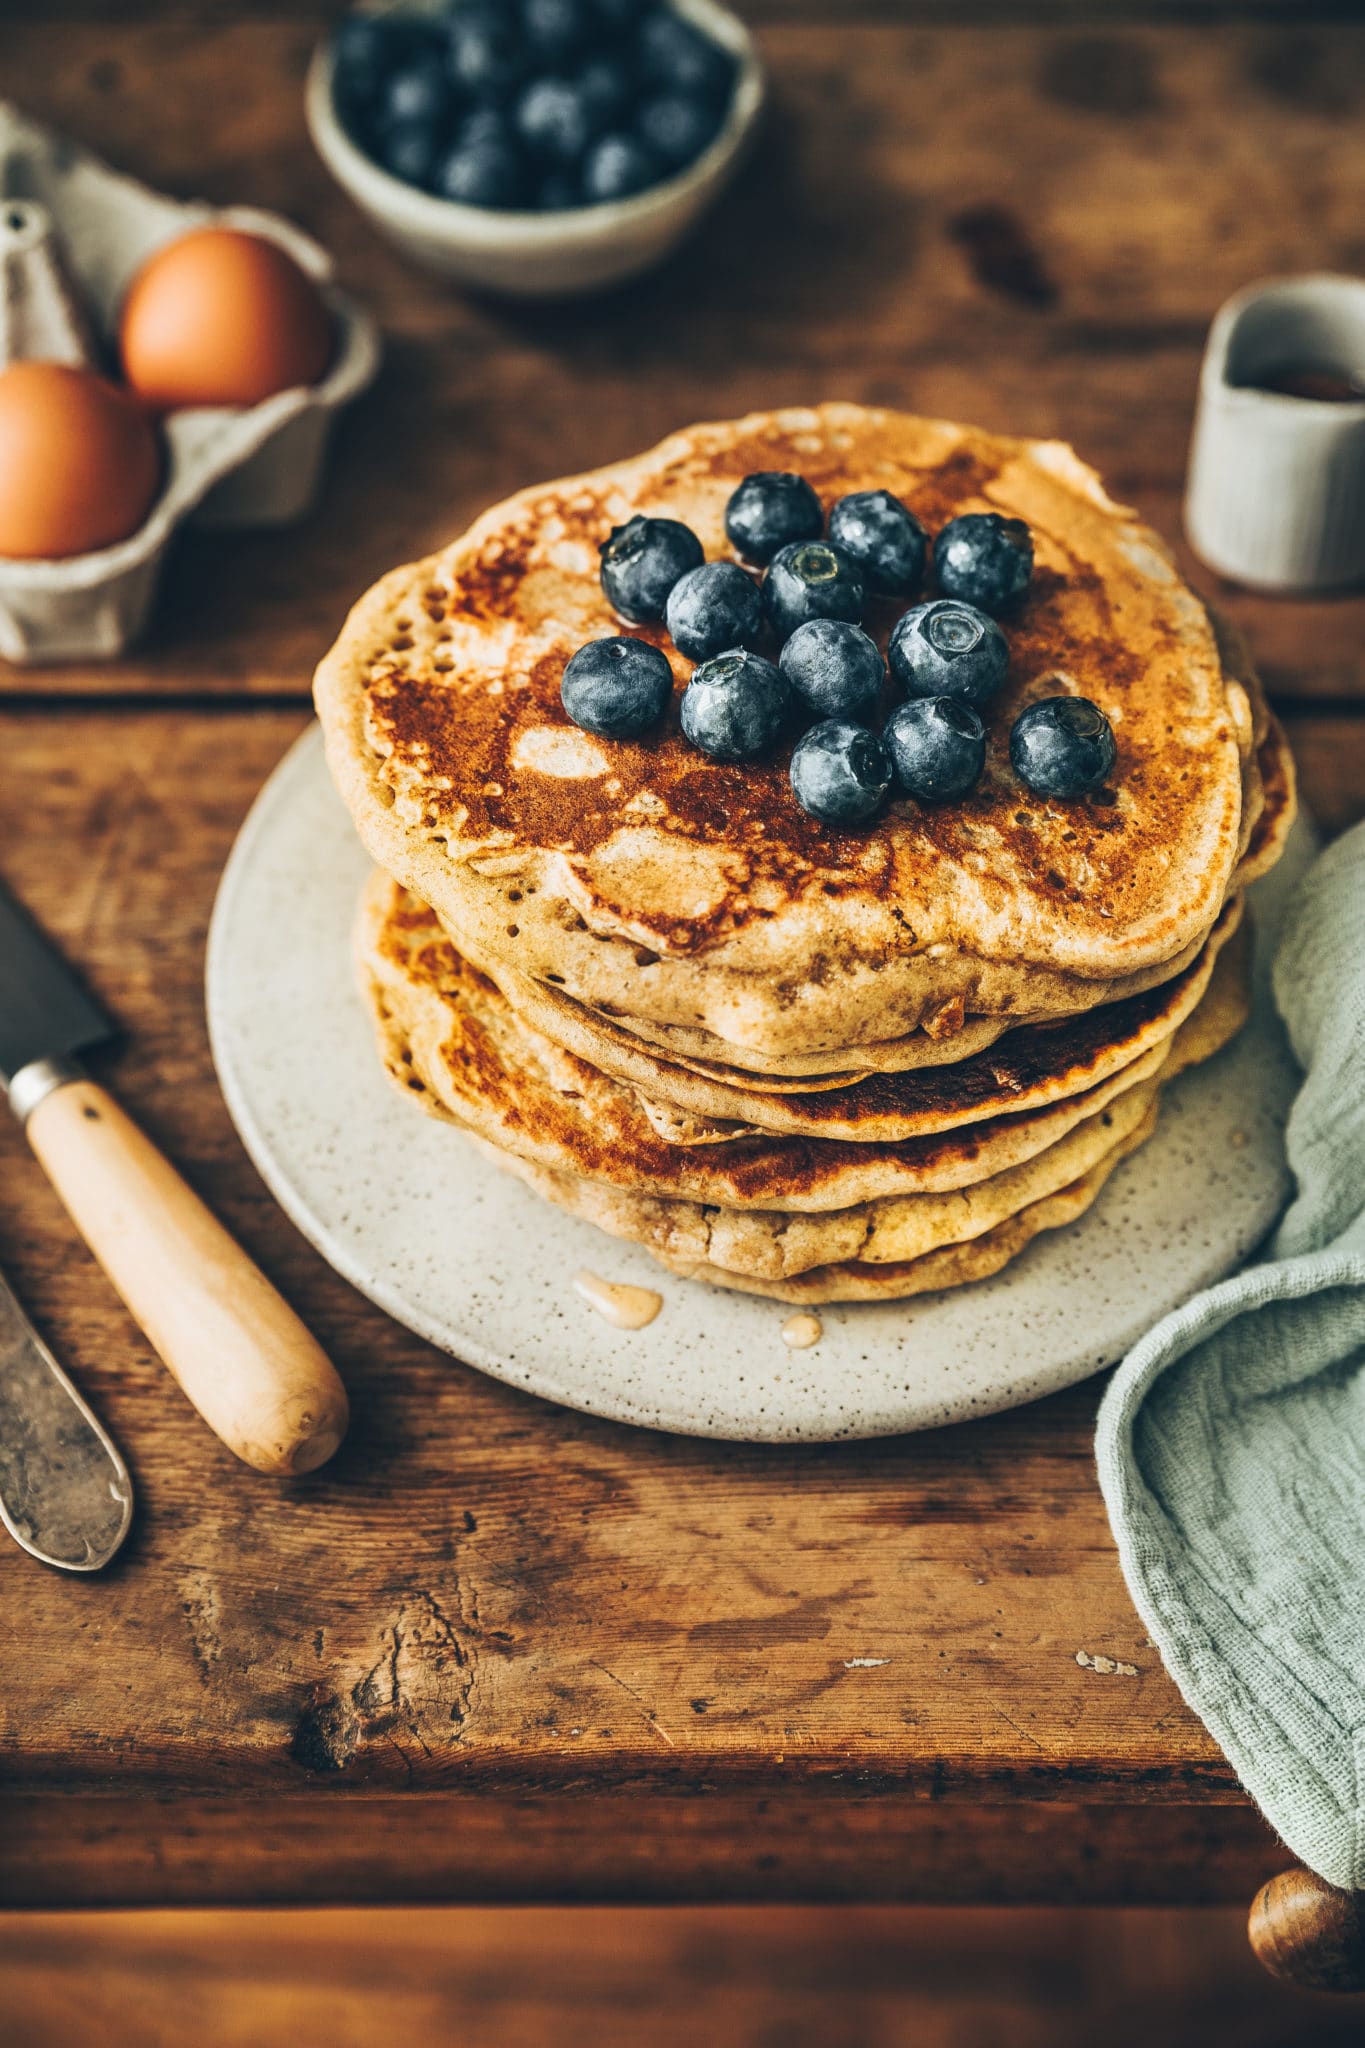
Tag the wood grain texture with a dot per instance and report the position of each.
(766, 12)
(1027, 225)
(837, 1843)
(494, 1649)
(566, 1658)
(852, 1978)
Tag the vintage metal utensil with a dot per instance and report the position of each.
(257, 1377)
(65, 1494)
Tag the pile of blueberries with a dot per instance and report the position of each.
(948, 656)
(532, 105)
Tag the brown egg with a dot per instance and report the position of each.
(221, 318)
(80, 462)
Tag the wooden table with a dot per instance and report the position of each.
(497, 1651)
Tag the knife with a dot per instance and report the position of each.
(256, 1375)
(65, 1494)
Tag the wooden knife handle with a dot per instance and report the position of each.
(257, 1377)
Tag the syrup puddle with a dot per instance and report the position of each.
(629, 1308)
(800, 1332)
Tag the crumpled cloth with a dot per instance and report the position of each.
(1231, 1441)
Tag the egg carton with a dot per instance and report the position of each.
(73, 233)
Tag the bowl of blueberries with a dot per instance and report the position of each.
(782, 652)
(539, 148)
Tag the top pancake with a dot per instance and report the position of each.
(646, 879)
(686, 1067)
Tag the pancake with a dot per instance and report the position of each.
(1032, 1066)
(650, 882)
(957, 1265)
(762, 1244)
(594, 1033)
(453, 1042)
(1278, 809)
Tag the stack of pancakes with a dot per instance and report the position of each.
(808, 1062)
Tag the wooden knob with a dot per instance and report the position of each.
(260, 1381)
(1308, 1933)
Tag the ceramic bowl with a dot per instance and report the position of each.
(1276, 494)
(544, 255)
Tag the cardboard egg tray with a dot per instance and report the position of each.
(72, 234)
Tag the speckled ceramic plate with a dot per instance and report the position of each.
(472, 1260)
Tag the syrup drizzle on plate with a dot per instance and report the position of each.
(629, 1308)
(802, 1331)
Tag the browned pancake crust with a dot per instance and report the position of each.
(1032, 1065)
(1072, 624)
(952, 1040)
(690, 892)
(571, 1113)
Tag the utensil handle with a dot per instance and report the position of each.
(259, 1379)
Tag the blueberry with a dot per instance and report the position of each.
(834, 668)
(984, 559)
(614, 15)
(937, 747)
(365, 48)
(361, 122)
(485, 127)
(554, 120)
(769, 509)
(557, 192)
(418, 93)
(811, 580)
(605, 85)
(944, 649)
(618, 688)
(362, 46)
(619, 166)
(483, 174)
(734, 706)
(713, 608)
(840, 772)
(484, 50)
(555, 30)
(408, 150)
(885, 540)
(677, 126)
(679, 58)
(642, 560)
(1062, 746)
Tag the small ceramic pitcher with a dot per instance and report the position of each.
(1276, 495)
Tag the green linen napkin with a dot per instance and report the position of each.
(1231, 1441)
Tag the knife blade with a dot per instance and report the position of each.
(45, 1013)
(256, 1375)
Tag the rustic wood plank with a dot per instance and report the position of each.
(1048, 265)
(489, 1602)
(576, 1844)
(557, 1656)
(855, 1978)
(764, 12)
